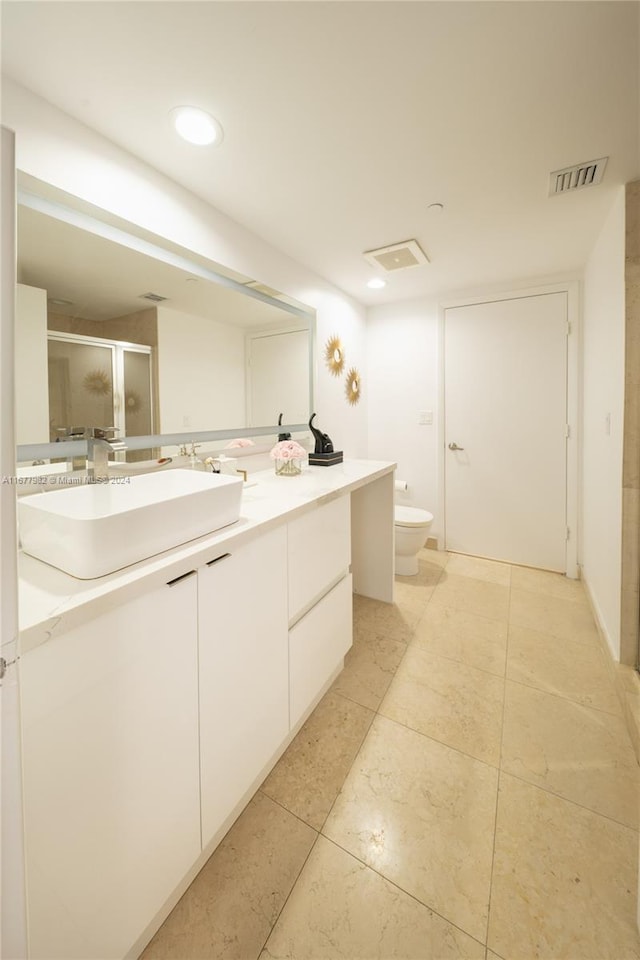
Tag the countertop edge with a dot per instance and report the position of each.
(87, 598)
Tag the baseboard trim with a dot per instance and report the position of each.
(626, 680)
(603, 633)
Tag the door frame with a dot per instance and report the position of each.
(572, 290)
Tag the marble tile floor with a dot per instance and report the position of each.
(466, 789)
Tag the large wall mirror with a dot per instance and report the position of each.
(113, 331)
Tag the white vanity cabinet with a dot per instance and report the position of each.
(317, 645)
(244, 674)
(152, 712)
(320, 601)
(319, 552)
(111, 778)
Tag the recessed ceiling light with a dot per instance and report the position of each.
(377, 283)
(436, 207)
(197, 126)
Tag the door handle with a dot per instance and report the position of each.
(223, 556)
(454, 446)
(184, 576)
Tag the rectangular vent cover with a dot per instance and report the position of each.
(575, 178)
(397, 256)
(154, 297)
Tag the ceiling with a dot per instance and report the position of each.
(344, 120)
(101, 280)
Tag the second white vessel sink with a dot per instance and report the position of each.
(94, 529)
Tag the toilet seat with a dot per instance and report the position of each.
(411, 517)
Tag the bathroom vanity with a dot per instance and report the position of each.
(156, 699)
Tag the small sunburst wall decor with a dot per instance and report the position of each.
(132, 401)
(352, 386)
(97, 382)
(334, 356)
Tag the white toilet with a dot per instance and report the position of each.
(411, 530)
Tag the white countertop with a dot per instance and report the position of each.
(51, 600)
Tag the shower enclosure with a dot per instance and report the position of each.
(100, 383)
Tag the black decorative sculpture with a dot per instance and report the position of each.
(323, 441)
(324, 454)
(282, 436)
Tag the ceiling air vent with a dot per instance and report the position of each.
(398, 256)
(574, 178)
(154, 297)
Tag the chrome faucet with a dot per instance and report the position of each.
(98, 448)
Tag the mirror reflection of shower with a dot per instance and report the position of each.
(100, 384)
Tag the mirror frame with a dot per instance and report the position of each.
(91, 222)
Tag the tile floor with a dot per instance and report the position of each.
(466, 789)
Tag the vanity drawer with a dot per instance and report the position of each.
(319, 552)
(317, 645)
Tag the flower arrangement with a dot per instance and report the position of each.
(239, 442)
(287, 455)
(287, 450)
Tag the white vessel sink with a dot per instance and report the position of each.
(94, 529)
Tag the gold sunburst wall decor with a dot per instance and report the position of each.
(97, 382)
(353, 387)
(334, 356)
(132, 401)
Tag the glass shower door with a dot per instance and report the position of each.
(81, 390)
(100, 383)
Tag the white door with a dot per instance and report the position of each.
(279, 378)
(506, 411)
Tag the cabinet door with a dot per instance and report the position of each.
(244, 709)
(319, 552)
(110, 746)
(317, 645)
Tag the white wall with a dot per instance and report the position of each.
(32, 377)
(201, 373)
(403, 352)
(55, 148)
(603, 409)
(345, 424)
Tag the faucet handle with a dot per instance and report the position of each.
(94, 433)
(73, 433)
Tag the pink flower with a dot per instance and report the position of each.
(239, 442)
(287, 450)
